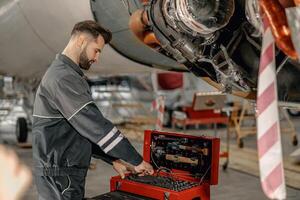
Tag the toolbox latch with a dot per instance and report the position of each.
(166, 195)
(118, 185)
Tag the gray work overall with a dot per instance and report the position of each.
(66, 123)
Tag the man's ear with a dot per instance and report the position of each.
(81, 41)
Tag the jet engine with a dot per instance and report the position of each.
(220, 39)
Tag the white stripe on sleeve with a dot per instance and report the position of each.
(108, 136)
(114, 143)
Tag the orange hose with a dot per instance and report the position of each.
(275, 13)
(297, 2)
(138, 25)
(150, 39)
(287, 3)
(144, 1)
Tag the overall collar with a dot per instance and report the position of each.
(70, 63)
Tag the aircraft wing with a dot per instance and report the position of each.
(33, 31)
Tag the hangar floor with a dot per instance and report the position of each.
(233, 184)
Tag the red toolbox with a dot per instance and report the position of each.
(185, 167)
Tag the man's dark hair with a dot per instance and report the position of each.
(93, 28)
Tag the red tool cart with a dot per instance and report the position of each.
(185, 167)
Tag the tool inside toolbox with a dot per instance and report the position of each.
(173, 157)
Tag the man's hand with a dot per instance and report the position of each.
(121, 168)
(144, 169)
(15, 178)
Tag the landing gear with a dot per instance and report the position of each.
(295, 140)
(241, 143)
(21, 130)
(293, 112)
(225, 165)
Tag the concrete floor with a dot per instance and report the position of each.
(233, 185)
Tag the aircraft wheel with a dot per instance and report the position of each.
(21, 130)
(241, 143)
(293, 112)
(225, 165)
(295, 140)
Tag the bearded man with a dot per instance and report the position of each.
(67, 125)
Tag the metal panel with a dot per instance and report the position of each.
(126, 43)
(20, 47)
(53, 20)
(113, 14)
(113, 63)
(33, 31)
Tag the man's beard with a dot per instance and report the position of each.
(84, 62)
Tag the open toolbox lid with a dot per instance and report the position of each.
(194, 158)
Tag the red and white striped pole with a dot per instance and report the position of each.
(268, 125)
(159, 105)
